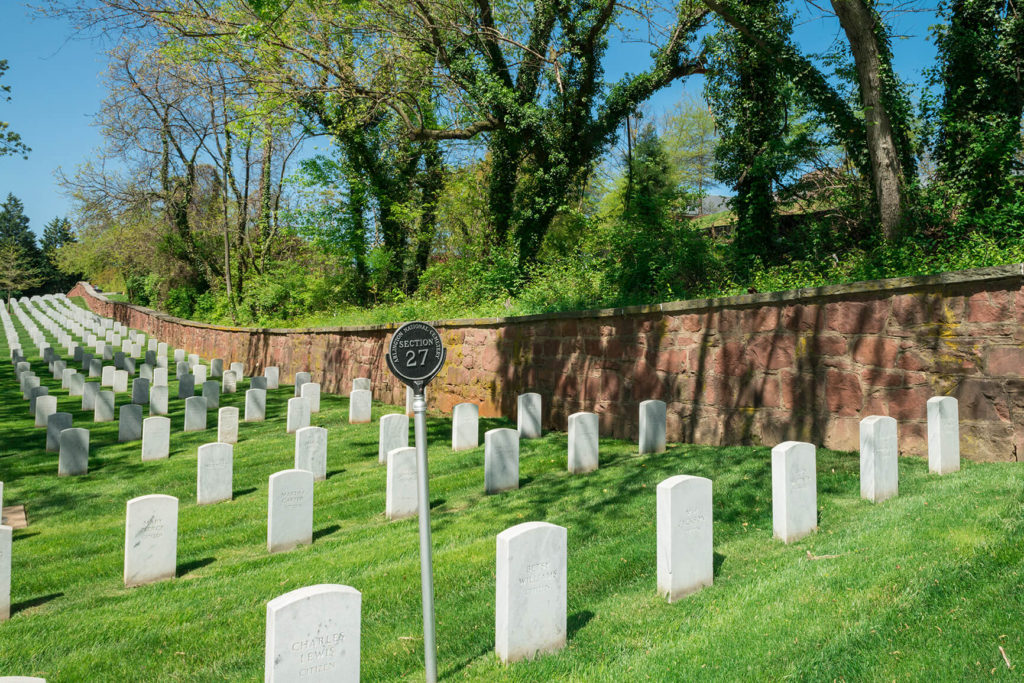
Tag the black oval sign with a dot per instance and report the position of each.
(416, 354)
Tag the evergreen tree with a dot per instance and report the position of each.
(56, 234)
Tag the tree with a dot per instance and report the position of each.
(19, 271)
(10, 142)
(690, 137)
(14, 226)
(981, 75)
(56, 234)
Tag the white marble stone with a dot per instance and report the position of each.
(465, 426)
(258, 383)
(528, 416)
(74, 452)
(211, 392)
(311, 451)
(311, 392)
(298, 414)
(195, 414)
(45, 407)
(255, 405)
(181, 369)
(55, 424)
(213, 480)
(129, 423)
(120, 385)
(217, 367)
(879, 468)
(186, 387)
(530, 600)
(103, 410)
(238, 368)
(652, 426)
(89, 392)
(150, 540)
(290, 510)
(943, 435)
(313, 635)
(228, 382)
(160, 377)
(179, 355)
(156, 438)
(227, 424)
(107, 376)
(501, 460)
(361, 383)
(140, 391)
(159, 399)
(199, 374)
(273, 377)
(583, 444)
(359, 406)
(401, 498)
(6, 548)
(393, 433)
(193, 361)
(300, 379)
(686, 557)
(65, 377)
(794, 490)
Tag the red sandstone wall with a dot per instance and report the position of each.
(804, 365)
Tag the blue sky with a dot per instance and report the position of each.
(56, 89)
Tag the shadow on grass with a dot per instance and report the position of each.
(188, 567)
(577, 621)
(326, 531)
(717, 563)
(334, 472)
(243, 492)
(34, 602)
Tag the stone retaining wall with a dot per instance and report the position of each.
(761, 368)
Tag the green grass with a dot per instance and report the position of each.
(926, 586)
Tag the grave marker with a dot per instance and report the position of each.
(156, 438)
(213, 482)
(227, 424)
(943, 435)
(74, 452)
(501, 460)
(129, 424)
(313, 635)
(150, 540)
(255, 405)
(401, 498)
(583, 443)
(195, 414)
(393, 433)
(652, 426)
(359, 404)
(311, 451)
(298, 414)
(290, 510)
(528, 416)
(684, 530)
(311, 392)
(465, 426)
(794, 490)
(879, 467)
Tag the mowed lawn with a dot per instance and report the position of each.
(927, 586)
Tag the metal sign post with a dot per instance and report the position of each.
(415, 356)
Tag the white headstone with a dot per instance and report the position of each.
(211, 392)
(239, 369)
(300, 379)
(943, 435)
(213, 482)
(298, 414)
(290, 511)
(227, 424)
(195, 414)
(74, 452)
(583, 444)
(501, 460)
(361, 383)
(199, 374)
(217, 367)
(530, 601)
(140, 391)
(6, 546)
(90, 390)
(186, 387)
(528, 416)
(129, 423)
(311, 451)
(652, 426)
(45, 407)
(311, 392)
(156, 438)
(179, 355)
(401, 497)
(55, 424)
(879, 468)
(150, 539)
(686, 555)
(313, 635)
(103, 410)
(465, 426)
(120, 381)
(794, 490)
(159, 400)
(394, 433)
(107, 376)
(359, 405)
(255, 405)
(273, 375)
(160, 377)
(228, 382)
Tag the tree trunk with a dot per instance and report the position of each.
(858, 21)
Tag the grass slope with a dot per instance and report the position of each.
(924, 586)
